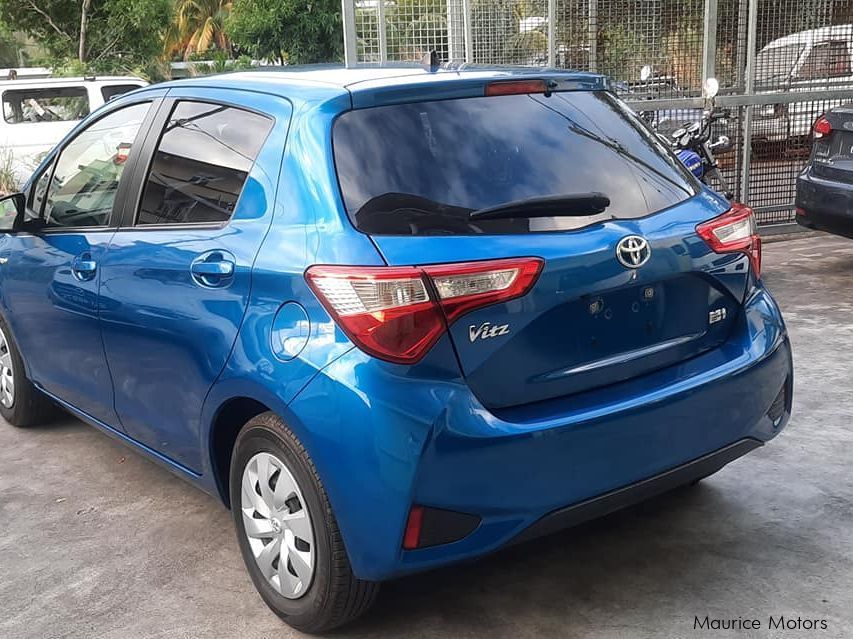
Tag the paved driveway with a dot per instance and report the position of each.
(95, 541)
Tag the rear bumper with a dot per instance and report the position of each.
(629, 495)
(824, 205)
(382, 441)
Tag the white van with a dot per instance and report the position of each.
(801, 62)
(37, 113)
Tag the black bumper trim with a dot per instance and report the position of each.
(635, 493)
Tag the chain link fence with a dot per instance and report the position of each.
(780, 63)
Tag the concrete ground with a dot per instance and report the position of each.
(95, 541)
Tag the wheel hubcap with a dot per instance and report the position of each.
(278, 525)
(7, 376)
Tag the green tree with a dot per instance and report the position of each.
(100, 34)
(9, 47)
(292, 31)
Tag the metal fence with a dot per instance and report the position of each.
(780, 63)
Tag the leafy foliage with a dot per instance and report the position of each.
(292, 31)
(120, 34)
(9, 46)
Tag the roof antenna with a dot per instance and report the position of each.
(430, 61)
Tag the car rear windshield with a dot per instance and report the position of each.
(423, 168)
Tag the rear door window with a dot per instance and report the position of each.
(202, 161)
(52, 104)
(423, 168)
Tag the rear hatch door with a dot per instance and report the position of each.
(412, 174)
(833, 154)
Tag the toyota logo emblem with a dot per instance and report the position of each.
(633, 251)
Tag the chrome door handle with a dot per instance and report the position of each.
(222, 268)
(214, 269)
(83, 267)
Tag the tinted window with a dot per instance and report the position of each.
(54, 104)
(112, 90)
(422, 168)
(90, 168)
(202, 161)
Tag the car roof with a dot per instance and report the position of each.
(842, 31)
(373, 85)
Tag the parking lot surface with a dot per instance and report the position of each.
(97, 542)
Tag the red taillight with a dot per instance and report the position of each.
(516, 87)
(398, 313)
(468, 285)
(734, 231)
(821, 128)
(412, 534)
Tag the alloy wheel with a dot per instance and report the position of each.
(7, 376)
(277, 525)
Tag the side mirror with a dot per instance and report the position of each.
(710, 88)
(11, 210)
(645, 73)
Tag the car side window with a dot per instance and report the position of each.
(827, 60)
(50, 104)
(90, 168)
(201, 164)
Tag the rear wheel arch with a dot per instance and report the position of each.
(229, 419)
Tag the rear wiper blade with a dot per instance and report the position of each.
(576, 205)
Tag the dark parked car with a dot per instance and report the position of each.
(825, 187)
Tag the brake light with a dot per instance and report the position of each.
(398, 313)
(821, 128)
(516, 87)
(734, 231)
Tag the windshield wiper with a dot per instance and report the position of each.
(576, 205)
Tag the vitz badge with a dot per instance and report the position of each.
(486, 330)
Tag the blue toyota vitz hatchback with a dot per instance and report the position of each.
(393, 318)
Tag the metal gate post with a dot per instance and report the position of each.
(749, 86)
(348, 15)
(469, 38)
(383, 36)
(740, 51)
(709, 40)
(455, 30)
(552, 31)
(592, 35)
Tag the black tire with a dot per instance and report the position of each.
(336, 596)
(29, 405)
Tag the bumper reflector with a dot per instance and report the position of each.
(434, 526)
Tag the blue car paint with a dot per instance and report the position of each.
(54, 317)
(145, 339)
(381, 434)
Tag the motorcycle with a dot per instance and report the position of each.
(692, 141)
